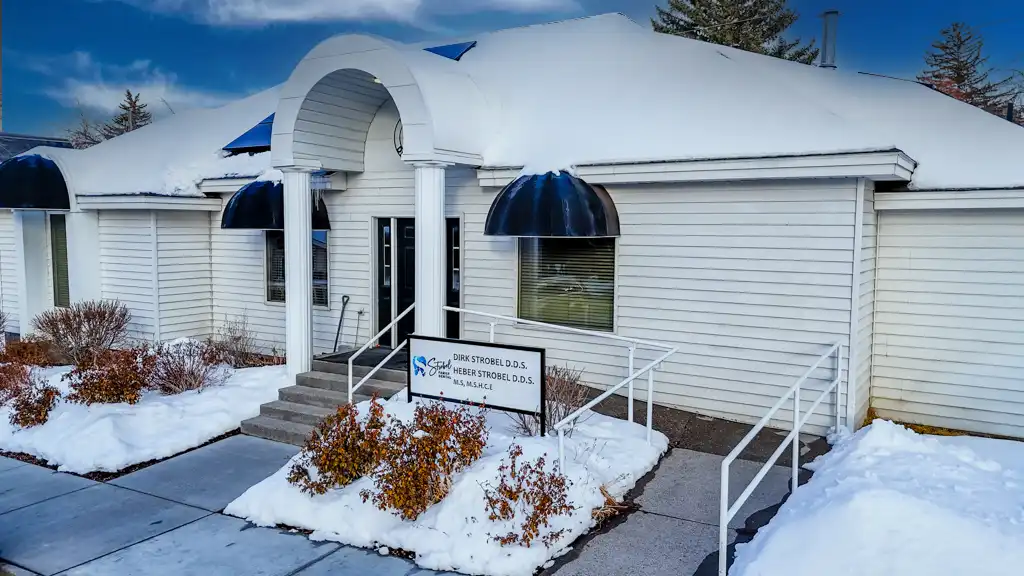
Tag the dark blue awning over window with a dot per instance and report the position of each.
(552, 205)
(33, 182)
(256, 139)
(260, 206)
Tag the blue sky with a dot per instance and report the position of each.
(59, 55)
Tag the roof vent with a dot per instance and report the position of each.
(453, 51)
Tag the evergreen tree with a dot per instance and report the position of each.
(133, 115)
(956, 67)
(752, 25)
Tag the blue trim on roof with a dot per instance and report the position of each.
(13, 144)
(552, 206)
(453, 51)
(260, 206)
(33, 182)
(256, 139)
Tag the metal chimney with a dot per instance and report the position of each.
(828, 39)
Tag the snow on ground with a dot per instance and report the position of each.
(455, 534)
(110, 437)
(889, 501)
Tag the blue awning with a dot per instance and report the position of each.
(552, 205)
(256, 139)
(33, 182)
(452, 51)
(260, 206)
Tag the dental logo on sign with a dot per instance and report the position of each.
(419, 365)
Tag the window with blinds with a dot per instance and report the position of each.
(568, 281)
(275, 268)
(59, 260)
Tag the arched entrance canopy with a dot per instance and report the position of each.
(33, 182)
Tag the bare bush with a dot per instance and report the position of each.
(82, 331)
(563, 395)
(5, 318)
(186, 365)
(235, 343)
(528, 492)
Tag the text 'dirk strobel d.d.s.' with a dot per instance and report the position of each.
(501, 377)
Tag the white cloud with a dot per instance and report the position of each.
(256, 12)
(79, 80)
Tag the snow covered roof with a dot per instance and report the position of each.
(170, 156)
(12, 145)
(596, 90)
(606, 90)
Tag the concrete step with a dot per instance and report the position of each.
(292, 412)
(277, 430)
(339, 383)
(320, 397)
(359, 371)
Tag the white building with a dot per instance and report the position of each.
(762, 210)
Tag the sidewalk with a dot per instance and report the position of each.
(165, 520)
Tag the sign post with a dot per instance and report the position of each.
(499, 376)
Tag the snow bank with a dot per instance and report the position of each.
(110, 437)
(888, 501)
(455, 534)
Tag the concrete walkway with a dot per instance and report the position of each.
(165, 520)
(677, 524)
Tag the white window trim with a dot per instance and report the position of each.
(615, 296)
(266, 273)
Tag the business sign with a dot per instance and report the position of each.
(509, 378)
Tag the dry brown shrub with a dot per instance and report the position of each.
(33, 406)
(532, 490)
(342, 449)
(610, 509)
(30, 352)
(186, 365)
(563, 395)
(14, 379)
(82, 331)
(235, 343)
(115, 376)
(419, 458)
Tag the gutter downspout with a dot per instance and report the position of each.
(155, 246)
(852, 356)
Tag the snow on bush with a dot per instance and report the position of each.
(457, 532)
(85, 329)
(110, 437)
(889, 501)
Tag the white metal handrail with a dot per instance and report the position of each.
(632, 344)
(376, 337)
(726, 512)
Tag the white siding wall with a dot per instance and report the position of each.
(9, 271)
(332, 123)
(385, 190)
(185, 274)
(949, 319)
(866, 315)
(126, 265)
(751, 281)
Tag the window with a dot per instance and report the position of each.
(59, 260)
(275, 267)
(568, 281)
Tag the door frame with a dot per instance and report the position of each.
(371, 274)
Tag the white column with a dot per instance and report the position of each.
(430, 243)
(84, 255)
(298, 270)
(31, 244)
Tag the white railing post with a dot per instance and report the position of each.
(561, 450)
(650, 404)
(723, 520)
(629, 406)
(350, 379)
(492, 333)
(796, 439)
